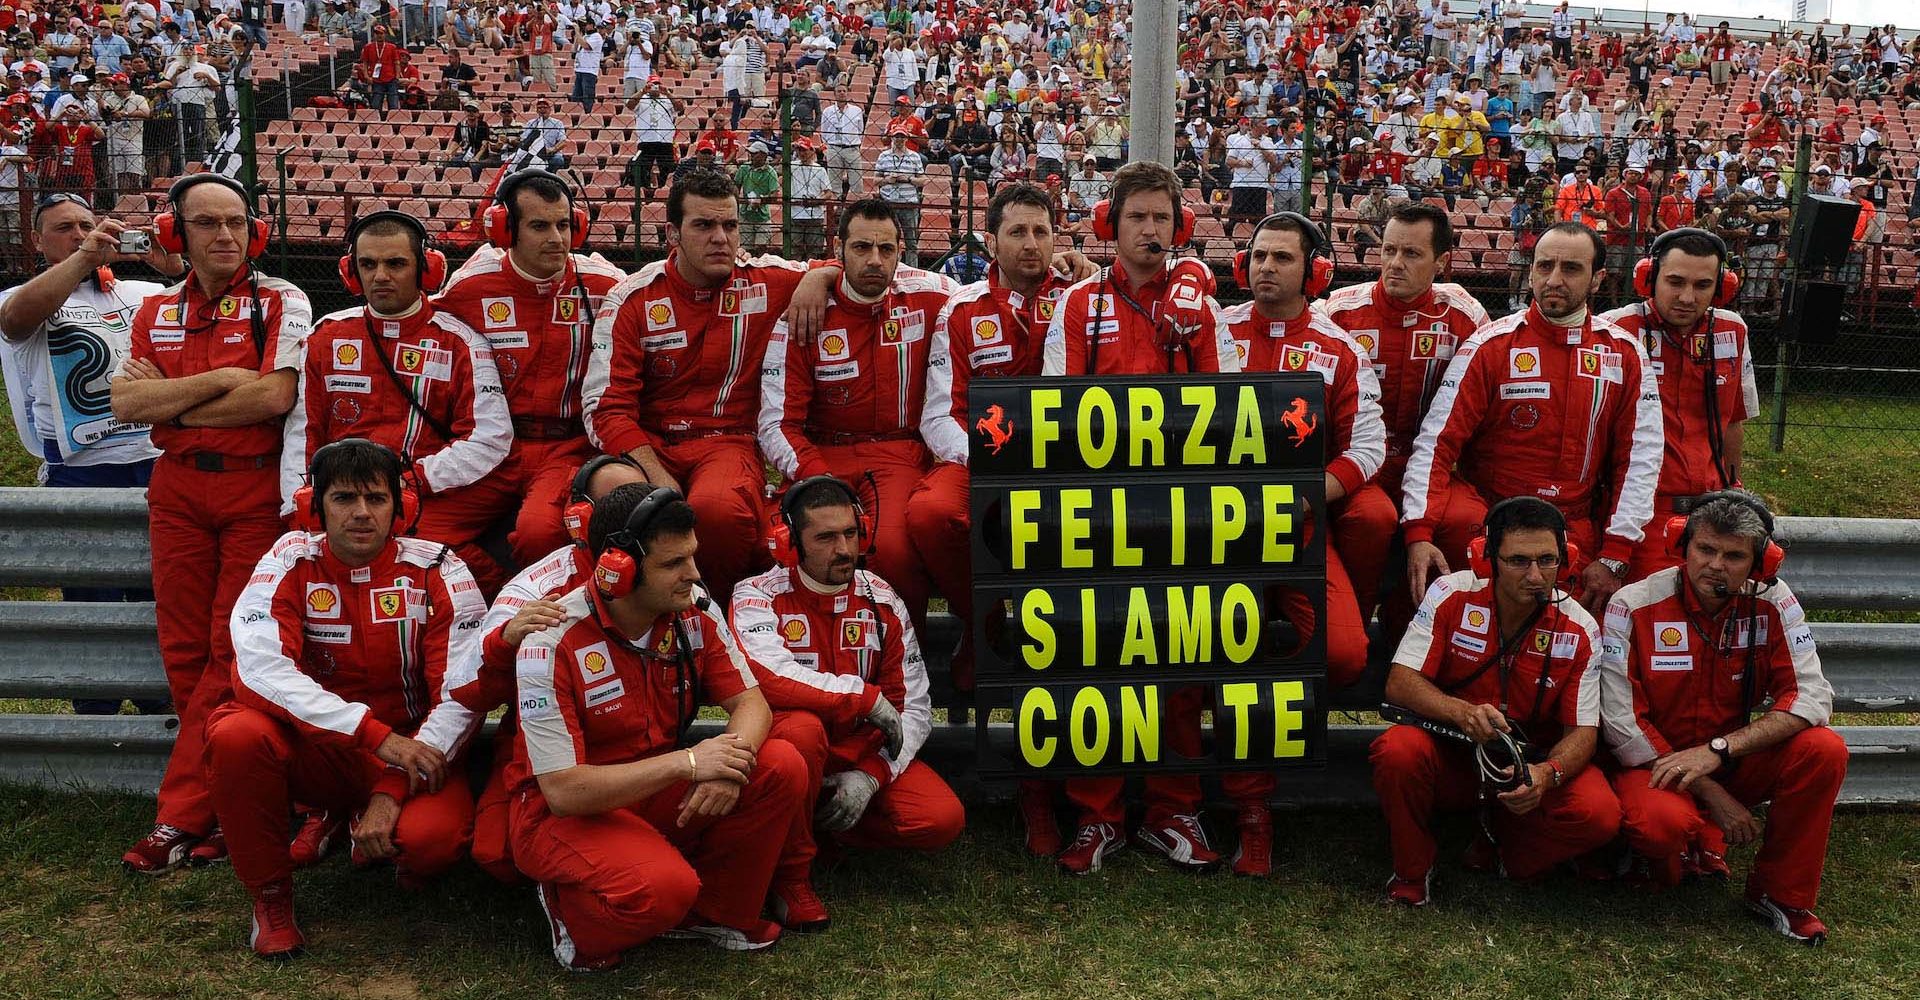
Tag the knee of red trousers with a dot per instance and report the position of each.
(804, 731)
(1249, 788)
(1097, 800)
(1816, 757)
(647, 904)
(1363, 537)
(938, 521)
(1346, 633)
(779, 774)
(1588, 810)
(937, 817)
(1403, 756)
(730, 526)
(1462, 518)
(435, 831)
(1659, 823)
(240, 740)
(492, 847)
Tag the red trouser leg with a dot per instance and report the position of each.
(457, 519)
(1249, 788)
(1571, 820)
(541, 474)
(897, 467)
(492, 847)
(1170, 795)
(1363, 526)
(939, 521)
(916, 811)
(809, 737)
(1651, 555)
(1801, 779)
(724, 479)
(735, 854)
(1346, 632)
(209, 530)
(616, 880)
(1097, 800)
(1413, 776)
(1462, 518)
(1659, 823)
(260, 766)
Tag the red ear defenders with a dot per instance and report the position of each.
(780, 538)
(1319, 276)
(1105, 226)
(1647, 272)
(617, 571)
(498, 221)
(1480, 561)
(1766, 564)
(579, 509)
(307, 514)
(170, 232)
(432, 263)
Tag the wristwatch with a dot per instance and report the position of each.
(1559, 776)
(1719, 746)
(1618, 567)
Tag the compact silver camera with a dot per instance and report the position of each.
(135, 242)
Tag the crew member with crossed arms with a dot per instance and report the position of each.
(1497, 649)
(1692, 652)
(836, 654)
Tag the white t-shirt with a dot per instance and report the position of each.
(57, 378)
(586, 58)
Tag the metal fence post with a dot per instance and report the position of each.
(280, 166)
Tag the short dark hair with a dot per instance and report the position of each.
(1416, 212)
(543, 186)
(354, 460)
(1599, 244)
(1523, 513)
(611, 512)
(1691, 244)
(416, 236)
(817, 495)
(1142, 177)
(1016, 194)
(700, 183)
(1310, 238)
(866, 208)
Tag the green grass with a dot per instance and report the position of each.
(979, 920)
(1843, 457)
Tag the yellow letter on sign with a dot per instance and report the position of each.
(1039, 649)
(1045, 430)
(1021, 530)
(1038, 702)
(1286, 719)
(1139, 724)
(1089, 701)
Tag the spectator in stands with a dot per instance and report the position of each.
(901, 174)
(1250, 154)
(125, 114)
(705, 157)
(656, 117)
(1762, 263)
(1580, 199)
(474, 143)
(458, 72)
(901, 67)
(537, 41)
(1629, 211)
(733, 77)
(759, 186)
(542, 139)
(379, 69)
(972, 148)
(809, 189)
(588, 53)
(1084, 191)
(58, 417)
(804, 102)
(843, 128)
(1010, 160)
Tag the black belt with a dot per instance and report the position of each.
(213, 461)
(861, 437)
(548, 428)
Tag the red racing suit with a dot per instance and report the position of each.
(1409, 344)
(1695, 423)
(541, 335)
(678, 369)
(213, 505)
(329, 661)
(1361, 523)
(492, 685)
(1546, 680)
(853, 409)
(590, 696)
(1528, 408)
(357, 365)
(823, 660)
(1675, 677)
(1001, 334)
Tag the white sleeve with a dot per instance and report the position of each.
(945, 436)
(916, 716)
(469, 459)
(449, 725)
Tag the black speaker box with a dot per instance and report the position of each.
(1822, 232)
(1811, 312)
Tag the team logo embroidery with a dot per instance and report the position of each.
(566, 310)
(229, 307)
(411, 360)
(1669, 637)
(997, 428)
(1426, 346)
(1542, 641)
(169, 314)
(1047, 307)
(1525, 416)
(323, 600)
(890, 332)
(833, 346)
(730, 302)
(345, 411)
(1589, 363)
(346, 356)
(596, 662)
(1598, 364)
(857, 633)
(664, 648)
(1242, 350)
(388, 604)
(793, 628)
(660, 314)
(1474, 619)
(1299, 420)
(1293, 359)
(499, 312)
(985, 331)
(1523, 361)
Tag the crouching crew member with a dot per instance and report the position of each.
(836, 654)
(1691, 653)
(343, 642)
(630, 831)
(1497, 650)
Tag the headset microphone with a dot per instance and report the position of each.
(1720, 590)
(1155, 248)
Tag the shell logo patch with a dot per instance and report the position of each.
(1474, 619)
(323, 600)
(985, 331)
(1368, 343)
(793, 629)
(346, 355)
(596, 662)
(1669, 637)
(660, 314)
(1523, 361)
(833, 346)
(499, 312)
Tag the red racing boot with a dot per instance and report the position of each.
(274, 934)
(1036, 815)
(1410, 892)
(320, 833)
(798, 908)
(1090, 847)
(1790, 922)
(211, 850)
(1253, 855)
(160, 851)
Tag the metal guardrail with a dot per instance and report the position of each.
(99, 538)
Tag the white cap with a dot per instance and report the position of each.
(1666, 81)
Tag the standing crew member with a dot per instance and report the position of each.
(534, 301)
(1692, 652)
(1497, 649)
(836, 654)
(1552, 403)
(1001, 326)
(853, 408)
(66, 331)
(408, 376)
(346, 641)
(674, 380)
(630, 831)
(1143, 315)
(1704, 368)
(213, 368)
(1409, 326)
